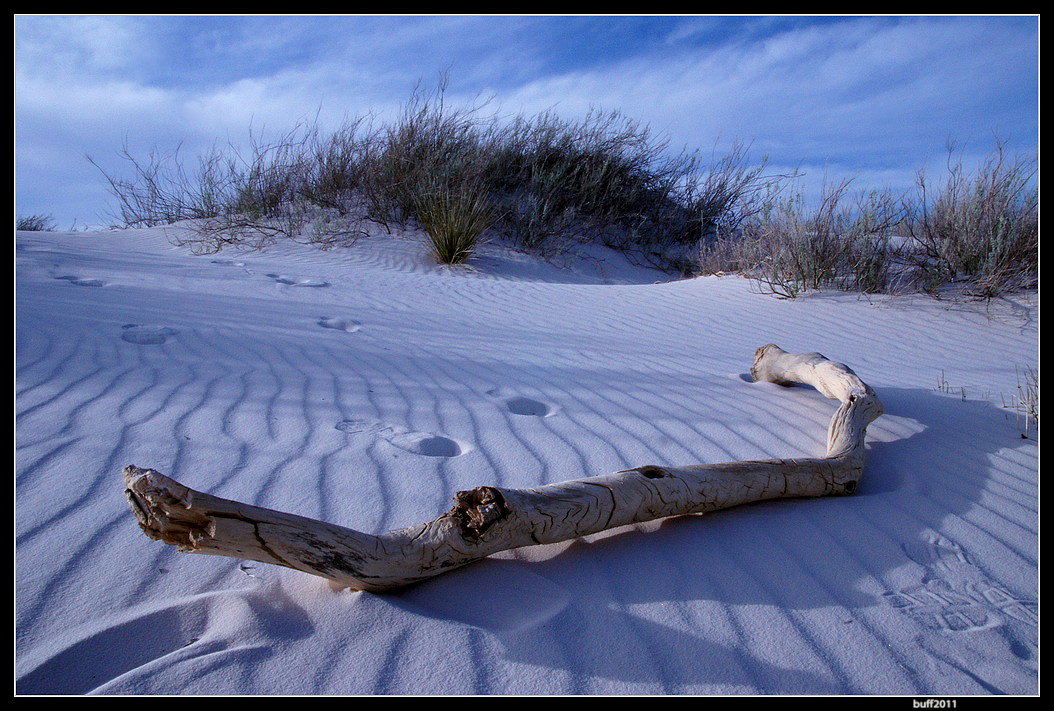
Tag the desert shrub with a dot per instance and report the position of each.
(559, 179)
(790, 245)
(608, 178)
(980, 228)
(732, 189)
(252, 197)
(333, 168)
(604, 177)
(874, 257)
(979, 231)
(161, 192)
(35, 223)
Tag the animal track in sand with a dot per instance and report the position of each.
(955, 594)
(146, 335)
(83, 281)
(298, 281)
(520, 405)
(424, 443)
(339, 324)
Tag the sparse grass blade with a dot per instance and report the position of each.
(35, 223)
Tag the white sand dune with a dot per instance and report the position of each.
(365, 386)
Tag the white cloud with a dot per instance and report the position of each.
(78, 45)
(842, 86)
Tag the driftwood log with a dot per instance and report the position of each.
(487, 519)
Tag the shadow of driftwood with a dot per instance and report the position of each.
(801, 555)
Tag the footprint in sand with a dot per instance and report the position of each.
(424, 443)
(520, 405)
(339, 324)
(955, 594)
(146, 335)
(298, 281)
(83, 281)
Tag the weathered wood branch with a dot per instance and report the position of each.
(487, 519)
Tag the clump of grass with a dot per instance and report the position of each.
(35, 223)
(454, 218)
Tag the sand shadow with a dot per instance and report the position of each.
(791, 555)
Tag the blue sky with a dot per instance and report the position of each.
(872, 98)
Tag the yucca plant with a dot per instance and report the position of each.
(454, 217)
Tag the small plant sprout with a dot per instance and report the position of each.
(1025, 403)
